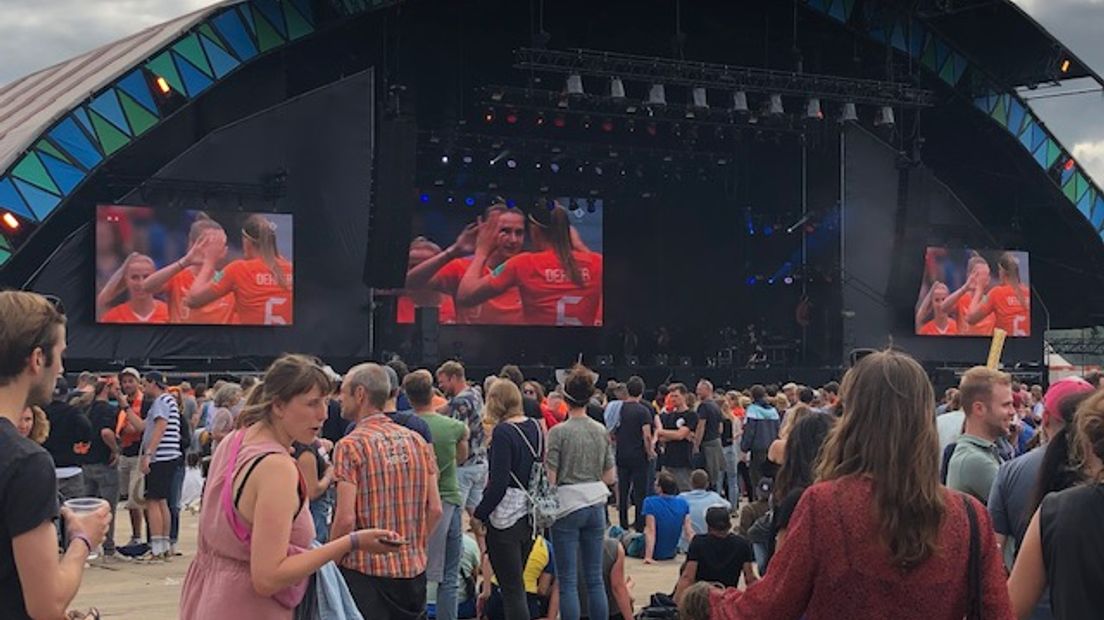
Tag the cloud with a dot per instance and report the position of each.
(1091, 157)
(36, 34)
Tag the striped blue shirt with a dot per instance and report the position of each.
(164, 407)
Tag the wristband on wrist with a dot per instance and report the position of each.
(84, 539)
(354, 542)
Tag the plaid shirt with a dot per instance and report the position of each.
(391, 468)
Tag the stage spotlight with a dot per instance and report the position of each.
(598, 170)
(652, 129)
(751, 280)
(511, 203)
(511, 117)
(884, 118)
(539, 120)
(698, 98)
(489, 116)
(788, 280)
(812, 109)
(586, 122)
(559, 122)
(439, 183)
(774, 107)
(424, 198)
(511, 163)
(848, 114)
(555, 168)
(469, 201)
(770, 281)
(451, 199)
(563, 103)
(657, 95)
(163, 85)
(574, 84)
(10, 221)
(444, 159)
(501, 155)
(467, 159)
(768, 230)
(617, 89)
(739, 102)
(607, 125)
(1065, 65)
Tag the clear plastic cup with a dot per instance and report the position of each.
(81, 505)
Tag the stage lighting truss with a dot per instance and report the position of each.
(670, 72)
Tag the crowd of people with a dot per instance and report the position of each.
(391, 492)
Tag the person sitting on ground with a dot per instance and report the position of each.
(666, 517)
(700, 499)
(717, 556)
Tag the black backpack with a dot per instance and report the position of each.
(185, 433)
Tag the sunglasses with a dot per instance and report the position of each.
(56, 302)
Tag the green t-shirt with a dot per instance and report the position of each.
(446, 432)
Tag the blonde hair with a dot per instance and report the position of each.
(261, 232)
(1089, 422)
(503, 402)
(791, 419)
(887, 433)
(28, 321)
(289, 376)
(780, 402)
(40, 426)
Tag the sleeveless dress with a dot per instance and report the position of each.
(218, 583)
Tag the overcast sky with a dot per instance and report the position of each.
(37, 33)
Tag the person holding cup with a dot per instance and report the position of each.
(35, 580)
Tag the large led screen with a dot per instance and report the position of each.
(506, 265)
(970, 292)
(183, 266)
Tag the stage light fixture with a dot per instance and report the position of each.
(163, 85)
(812, 109)
(511, 203)
(607, 125)
(451, 199)
(768, 230)
(698, 98)
(657, 95)
(1070, 163)
(555, 168)
(770, 281)
(574, 85)
(598, 170)
(539, 119)
(511, 163)
(469, 201)
(1066, 65)
(10, 221)
(467, 159)
(511, 117)
(501, 155)
(444, 159)
(788, 280)
(617, 89)
(751, 280)
(652, 129)
(774, 107)
(424, 198)
(563, 103)
(586, 122)
(848, 114)
(489, 116)
(884, 118)
(438, 183)
(559, 122)
(739, 102)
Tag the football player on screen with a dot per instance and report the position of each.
(958, 302)
(941, 324)
(560, 282)
(1009, 300)
(261, 281)
(140, 306)
(177, 278)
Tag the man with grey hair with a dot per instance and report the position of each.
(708, 433)
(386, 478)
(402, 418)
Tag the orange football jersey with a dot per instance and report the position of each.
(502, 310)
(258, 297)
(124, 314)
(931, 329)
(984, 327)
(548, 295)
(1013, 316)
(218, 312)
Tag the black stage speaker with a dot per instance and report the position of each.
(426, 334)
(389, 218)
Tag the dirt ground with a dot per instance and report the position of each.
(128, 589)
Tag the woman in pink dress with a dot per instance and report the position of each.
(255, 532)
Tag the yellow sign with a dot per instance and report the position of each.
(996, 348)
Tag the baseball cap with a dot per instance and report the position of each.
(156, 378)
(1059, 391)
(132, 371)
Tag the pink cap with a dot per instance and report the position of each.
(1059, 391)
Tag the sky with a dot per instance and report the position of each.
(35, 34)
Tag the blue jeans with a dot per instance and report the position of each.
(471, 479)
(731, 484)
(174, 501)
(320, 512)
(578, 537)
(448, 587)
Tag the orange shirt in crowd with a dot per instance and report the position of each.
(984, 327)
(548, 295)
(129, 437)
(931, 329)
(258, 297)
(124, 314)
(502, 310)
(218, 312)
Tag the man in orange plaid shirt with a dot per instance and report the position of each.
(386, 478)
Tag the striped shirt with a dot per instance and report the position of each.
(165, 408)
(392, 468)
